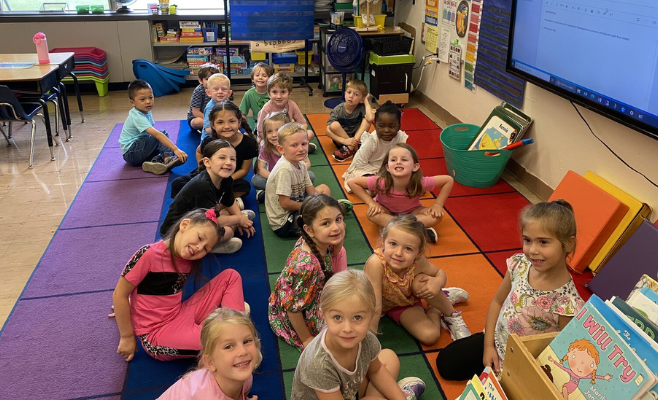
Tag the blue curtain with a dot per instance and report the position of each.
(271, 19)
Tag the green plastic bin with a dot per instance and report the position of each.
(471, 167)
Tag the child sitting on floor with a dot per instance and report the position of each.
(148, 299)
(142, 144)
(199, 97)
(219, 91)
(255, 98)
(269, 156)
(537, 294)
(402, 276)
(399, 187)
(230, 352)
(279, 88)
(350, 119)
(375, 145)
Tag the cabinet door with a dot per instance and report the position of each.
(135, 40)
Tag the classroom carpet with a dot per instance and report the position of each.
(59, 343)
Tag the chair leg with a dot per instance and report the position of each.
(34, 129)
(56, 118)
(9, 132)
(77, 93)
(49, 135)
(6, 138)
(60, 105)
(64, 103)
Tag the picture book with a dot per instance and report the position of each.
(589, 360)
(644, 306)
(640, 320)
(473, 390)
(494, 134)
(492, 389)
(645, 281)
(644, 347)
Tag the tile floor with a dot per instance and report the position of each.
(34, 201)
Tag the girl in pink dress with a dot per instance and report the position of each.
(229, 355)
(398, 189)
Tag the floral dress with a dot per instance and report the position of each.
(396, 290)
(298, 289)
(528, 311)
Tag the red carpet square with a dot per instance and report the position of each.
(437, 166)
(426, 142)
(489, 220)
(499, 259)
(414, 119)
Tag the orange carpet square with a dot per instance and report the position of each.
(452, 240)
(340, 169)
(318, 122)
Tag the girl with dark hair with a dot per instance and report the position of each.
(148, 297)
(211, 186)
(294, 309)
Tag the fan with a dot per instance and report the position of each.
(344, 52)
(124, 6)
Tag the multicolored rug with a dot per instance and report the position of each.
(58, 342)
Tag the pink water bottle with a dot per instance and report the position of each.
(42, 47)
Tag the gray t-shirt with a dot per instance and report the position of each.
(349, 122)
(288, 180)
(317, 369)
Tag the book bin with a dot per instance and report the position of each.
(472, 168)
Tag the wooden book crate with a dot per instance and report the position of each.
(522, 378)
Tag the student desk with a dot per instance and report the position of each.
(40, 79)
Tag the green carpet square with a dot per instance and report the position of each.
(272, 279)
(325, 174)
(277, 249)
(416, 365)
(318, 158)
(395, 337)
(289, 355)
(287, 380)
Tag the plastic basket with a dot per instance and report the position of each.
(471, 167)
(388, 45)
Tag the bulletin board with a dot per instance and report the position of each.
(271, 20)
(491, 73)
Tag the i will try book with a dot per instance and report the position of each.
(589, 360)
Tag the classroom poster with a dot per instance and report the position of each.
(449, 14)
(455, 62)
(444, 44)
(472, 45)
(431, 38)
(463, 10)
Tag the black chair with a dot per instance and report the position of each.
(11, 109)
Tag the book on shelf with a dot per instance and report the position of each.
(648, 327)
(589, 359)
(645, 281)
(644, 305)
(505, 125)
(492, 388)
(474, 390)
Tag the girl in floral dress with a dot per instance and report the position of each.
(536, 296)
(294, 309)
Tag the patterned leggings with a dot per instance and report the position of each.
(181, 337)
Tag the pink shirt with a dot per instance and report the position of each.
(158, 290)
(293, 110)
(398, 202)
(201, 385)
(269, 158)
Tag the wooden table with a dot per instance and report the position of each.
(40, 79)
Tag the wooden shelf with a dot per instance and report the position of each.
(204, 44)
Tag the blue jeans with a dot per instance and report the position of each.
(258, 182)
(146, 148)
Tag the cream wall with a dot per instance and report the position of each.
(562, 140)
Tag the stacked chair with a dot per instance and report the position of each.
(163, 80)
(90, 65)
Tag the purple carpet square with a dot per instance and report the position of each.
(87, 259)
(116, 202)
(110, 166)
(171, 127)
(61, 348)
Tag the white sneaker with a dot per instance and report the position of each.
(412, 387)
(251, 215)
(230, 246)
(154, 167)
(456, 295)
(260, 196)
(312, 148)
(432, 236)
(240, 203)
(455, 325)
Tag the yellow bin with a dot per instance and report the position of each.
(379, 20)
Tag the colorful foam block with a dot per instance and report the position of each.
(597, 216)
(638, 256)
(637, 212)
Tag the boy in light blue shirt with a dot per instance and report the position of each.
(142, 144)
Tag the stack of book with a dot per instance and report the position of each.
(609, 350)
(190, 32)
(197, 57)
(485, 386)
(172, 35)
(505, 125)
